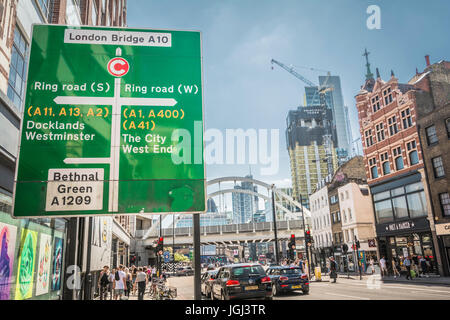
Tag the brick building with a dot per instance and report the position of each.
(387, 112)
(110, 13)
(433, 119)
(16, 20)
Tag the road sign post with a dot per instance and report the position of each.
(113, 123)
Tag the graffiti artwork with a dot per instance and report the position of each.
(25, 271)
(57, 264)
(43, 273)
(7, 246)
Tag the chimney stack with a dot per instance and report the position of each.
(427, 59)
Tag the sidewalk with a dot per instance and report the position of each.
(432, 279)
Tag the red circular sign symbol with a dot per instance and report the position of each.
(118, 67)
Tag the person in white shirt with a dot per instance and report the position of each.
(383, 267)
(119, 283)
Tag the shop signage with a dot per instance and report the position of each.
(112, 123)
(403, 226)
(443, 229)
(372, 243)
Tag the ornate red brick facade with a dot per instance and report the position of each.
(387, 118)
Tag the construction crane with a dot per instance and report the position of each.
(322, 90)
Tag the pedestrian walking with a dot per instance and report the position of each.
(128, 282)
(383, 267)
(111, 282)
(133, 278)
(423, 266)
(103, 283)
(395, 268)
(372, 264)
(141, 281)
(333, 269)
(407, 264)
(119, 284)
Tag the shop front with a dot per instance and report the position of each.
(443, 233)
(410, 238)
(402, 225)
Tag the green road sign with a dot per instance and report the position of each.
(112, 123)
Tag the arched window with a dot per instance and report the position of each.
(399, 163)
(386, 168)
(374, 172)
(413, 157)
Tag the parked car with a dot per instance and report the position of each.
(206, 282)
(184, 271)
(241, 281)
(210, 267)
(285, 278)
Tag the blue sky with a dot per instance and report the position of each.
(240, 38)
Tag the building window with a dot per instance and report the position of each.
(333, 199)
(412, 152)
(373, 168)
(401, 203)
(18, 69)
(94, 13)
(398, 159)
(417, 205)
(387, 96)
(413, 157)
(400, 208)
(375, 104)
(431, 135)
(344, 216)
(349, 214)
(445, 203)
(380, 131)
(392, 124)
(46, 9)
(369, 138)
(383, 211)
(385, 163)
(386, 168)
(438, 167)
(406, 118)
(447, 125)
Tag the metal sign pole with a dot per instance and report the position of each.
(197, 267)
(277, 253)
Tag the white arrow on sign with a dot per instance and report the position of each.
(116, 102)
(157, 102)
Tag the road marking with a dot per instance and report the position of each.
(419, 289)
(431, 293)
(343, 295)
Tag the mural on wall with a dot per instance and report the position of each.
(43, 272)
(57, 264)
(25, 271)
(7, 246)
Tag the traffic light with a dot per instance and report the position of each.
(292, 242)
(344, 248)
(291, 247)
(160, 245)
(307, 237)
(133, 259)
